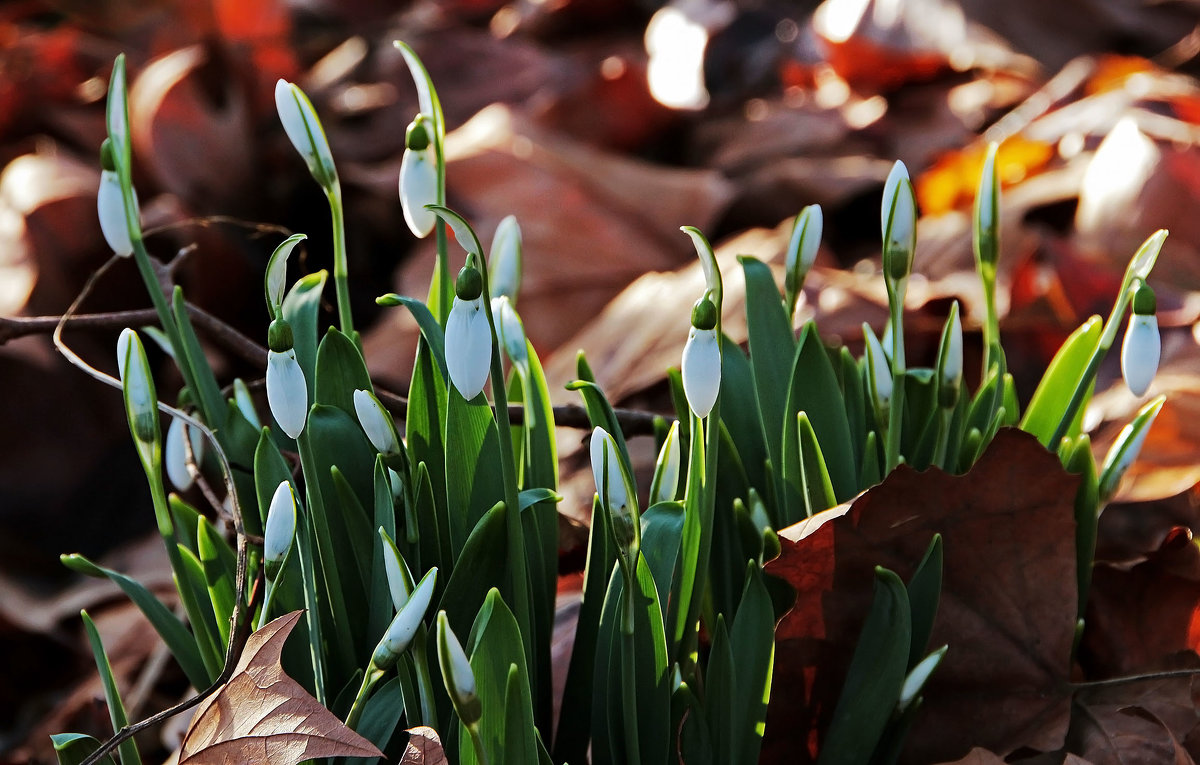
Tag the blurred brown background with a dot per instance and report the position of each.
(603, 125)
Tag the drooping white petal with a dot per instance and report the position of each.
(281, 523)
(468, 346)
(806, 239)
(375, 422)
(456, 668)
(304, 130)
(606, 470)
(287, 392)
(510, 330)
(505, 260)
(1140, 352)
(408, 619)
(880, 369)
(175, 457)
(701, 370)
(418, 187)
(110, 206)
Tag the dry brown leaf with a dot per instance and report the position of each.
(1007, 607)
(424, 748)
(978, 756)
(262, 715)
(1115, 734)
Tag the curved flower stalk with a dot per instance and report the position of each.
(1142, 347)
(468, 336)
(419, 178)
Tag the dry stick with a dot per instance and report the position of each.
(633, 422)
(236, 638)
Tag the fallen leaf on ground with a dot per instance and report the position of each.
(1007, 607)
(262, 715)
(424, 748)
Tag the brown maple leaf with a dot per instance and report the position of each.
(1007, 609)
(262, 715)
(424, 748)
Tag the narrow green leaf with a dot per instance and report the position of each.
(495, 646)
(431, 332)
(220, 566)
(474, 481)
(168, 626)
(924, 595)
(112, 694)
(302, 310)
(340, 371)
(818, 489)
(772, 351)
(1049, 402)
(662, 533)
(601, 414)
(74, 748)
(752, 639)
(484, 561)
(721, 695)
(1079, 460)
(200, 610)
(874, 678)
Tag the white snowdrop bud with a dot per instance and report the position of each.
(405, 624)
(505, 260)
(110, 206)
(880, 369)
(607, 473)
(141, 402)
(457, 673)
(468, 346)
(419, 178)
(898, 220)
(804, 243)
(510, 330)
(304, 130)
(376, 422)
(287, 392)
(280, 529)
(1142, 347)
(701, 370)
(175, 458)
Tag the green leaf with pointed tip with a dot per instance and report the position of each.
(220, 566)
(484, 561)
(851, 381)
(924, 595)
(380, 615)
(74, 748)
(381, 715)
(168, 626)
(359, 527)
(425, 426)
(200, 610)
(112, 694)
(744, 421)
(340, 371)
(1049, 402)
(874, 678)
(601, 414)
(531, 497)
(495, 646)
(302, 310)
(185, 517)
(772, 351)
(431, 331)
(818, 490)
(721, 695)
(270, 470)
(434, 542)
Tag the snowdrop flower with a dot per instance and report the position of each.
(950, 358)
(141, 401)
(405, 624)
(287, 391)
(175, 454)
(376, 422)
(701, 365)
(898, 220)
(1142, 346)
(987, 207)
(606, 471)
(280, 529)
(916, 679)
(468, 336)
(666, 472)
(457, 673)
(803, 245)
(510, 330)
(305, 132)
(1125, 449)
(505, 260)
(880, 370)
(418, 178)
(110, 206)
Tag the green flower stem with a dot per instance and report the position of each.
(424, 680)
(441, 294)
(945, 415)
(629, 682)
(477, 741)
(268, 600)
(370, 678)
(340, 268)
(312, 611)
(896, 410)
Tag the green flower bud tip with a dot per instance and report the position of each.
(704, 314)
(276, 274)
(1144, 301)
(405, 624)
(376, 422)
(416, 137)
(281, 527)
(107, 160)
(469, 284)
(279, 336)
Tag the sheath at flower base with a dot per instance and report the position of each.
(287, 392)
(468, 346)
